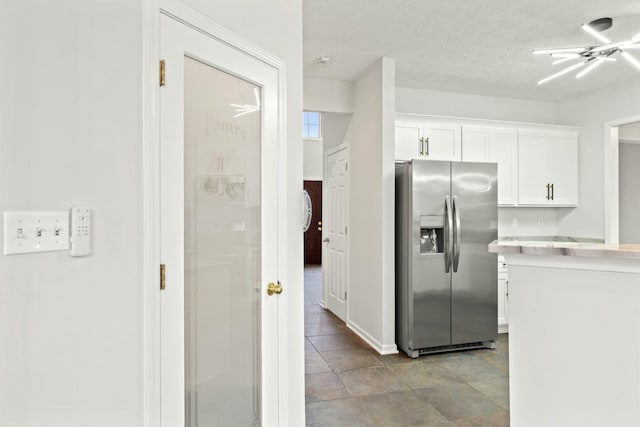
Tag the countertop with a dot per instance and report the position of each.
(563, 246)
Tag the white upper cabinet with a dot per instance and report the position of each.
(547, 168)
(496, 145)
(503, 149)
(417, 138)
(475, 144)
(442, 141)
(537, 163)
(409, 139)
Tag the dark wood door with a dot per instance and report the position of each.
(313, 236)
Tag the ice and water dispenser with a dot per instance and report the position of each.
(432, 234)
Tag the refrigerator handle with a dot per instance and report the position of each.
(448, 234)
(456, 236)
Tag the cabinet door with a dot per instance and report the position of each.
(532, 169)
(475, 144)
(503, 150)
(407, 140)
(443, 141)
(562, 158)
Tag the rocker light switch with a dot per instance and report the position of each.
(31, 232)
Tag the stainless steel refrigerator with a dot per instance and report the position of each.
(446, 280)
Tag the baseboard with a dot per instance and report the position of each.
(503, 329)
(383, 349)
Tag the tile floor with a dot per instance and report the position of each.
(350, 385)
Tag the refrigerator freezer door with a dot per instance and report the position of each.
(431, 290)
(475, 277)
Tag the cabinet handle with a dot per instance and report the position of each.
(422, 146)
(548, 187)
(427, 150)
(551, 191)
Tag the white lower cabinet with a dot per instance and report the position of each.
(503, 297)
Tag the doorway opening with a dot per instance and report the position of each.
(619, 137)
(629, 176)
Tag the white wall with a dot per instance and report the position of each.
(629, 194)
(70, 132)
(70, 108)
(630, 132)
(525, 222)
(335, 99)
(335, 126)
(438, 103)
(328, 95)
(312, 160)
(590, 112)
(371, 300)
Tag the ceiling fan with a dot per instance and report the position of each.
(591, 57)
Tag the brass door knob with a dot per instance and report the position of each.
(272, 288)
(319, 228)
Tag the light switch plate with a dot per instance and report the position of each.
(35, 231)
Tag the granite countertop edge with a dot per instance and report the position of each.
(563, 246)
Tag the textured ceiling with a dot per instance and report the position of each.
(469, 46)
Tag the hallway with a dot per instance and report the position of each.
(350, 385)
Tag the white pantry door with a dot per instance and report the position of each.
(336, 262)
(219, 231)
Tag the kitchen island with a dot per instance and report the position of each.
(574, 333)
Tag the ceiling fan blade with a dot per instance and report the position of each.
(636, 38)
(564, 71)
(595, 64)
(631, 59)
(609, 46)
(595, 33)
(631, 46)
(560, 50)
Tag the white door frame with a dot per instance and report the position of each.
(611, 178)
(325, 222)
(150, 233)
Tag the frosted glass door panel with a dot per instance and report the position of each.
(222, 123)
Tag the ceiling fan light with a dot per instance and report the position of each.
(595, 33)
(596, 63)
(631, 59)
(563, 50)
(565, 59)
(564, 71)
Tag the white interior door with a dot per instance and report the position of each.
(219, 328)
(336, 222)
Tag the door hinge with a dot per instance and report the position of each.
(346, 166)
(345, 295)
(345, 231)
(162, 277)
(162, 71)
